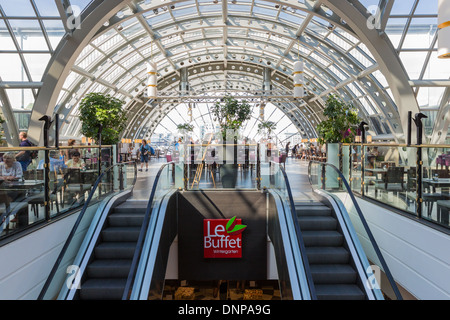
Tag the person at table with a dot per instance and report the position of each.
(55, 162)
(10, 169)
(76, 162)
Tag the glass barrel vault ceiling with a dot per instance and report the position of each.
(224, 46)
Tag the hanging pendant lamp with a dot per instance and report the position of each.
(299, 79)
(444, 29)
(151, 83)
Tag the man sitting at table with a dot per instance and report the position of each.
(10, 169)
(76, 162)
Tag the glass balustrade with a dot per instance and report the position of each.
(33, 190)
(413, 179)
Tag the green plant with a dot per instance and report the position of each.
(231, 113)
(99, 109)
(267, 127)
(185, 127)
(341, 123)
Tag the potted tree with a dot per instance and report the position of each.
(98, 110)
(340, 127)
(231, 114)
(102, 118)
(266, 128)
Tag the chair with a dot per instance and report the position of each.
(392, 180)
(443, 209)
(74, 185)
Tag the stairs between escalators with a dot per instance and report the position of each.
(330, 262)
(108, 269)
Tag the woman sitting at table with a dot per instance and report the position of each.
(76, 162)
(10, 169)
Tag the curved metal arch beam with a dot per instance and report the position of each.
(64, 58)
(301, 119)
(308, 7)
(262, 30)
(388, 60)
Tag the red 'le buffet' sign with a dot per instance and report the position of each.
(222, 238)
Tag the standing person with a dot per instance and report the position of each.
(24, 157)
(145, 151)
(287, 148)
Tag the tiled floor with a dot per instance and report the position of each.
(204, 290)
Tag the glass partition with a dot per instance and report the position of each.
(436, 184)
(414, 179)
(217, 166)
(33, 190)
(389, 175)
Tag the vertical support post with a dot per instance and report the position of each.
(47, 124)
(418, 121)
(323, 176)
(363, 140)
(258, 168)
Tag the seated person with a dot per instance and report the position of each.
(10, 169)
(55, 162)
(76, 162)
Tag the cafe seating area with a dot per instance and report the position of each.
(394, 183)
(23, 200)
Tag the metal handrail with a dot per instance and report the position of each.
(139, 244)
(298, 231)
(77, 223)
(364, 223)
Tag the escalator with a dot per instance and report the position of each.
(335, 260)
(107, 272)
(131, 246)
(332, 269)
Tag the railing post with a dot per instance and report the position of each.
(419, 170)
(363, 167)
(323, 176)
(258, 168)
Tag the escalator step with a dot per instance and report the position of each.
(327, 255)
(126, 219)
(317, 223)
(339, 292)
(333, 274)
(322, 238)
(115, 250)
(313, 210)
(117, 268)
(118, 234)
(103, 289)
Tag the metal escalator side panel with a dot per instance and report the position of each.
(293, 260)
(86, 248)
(357, 252)
(146, 267)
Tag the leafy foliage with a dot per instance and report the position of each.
(267, 127)
(185, 127)
(341, 123)
(96, 109)
(231, 113)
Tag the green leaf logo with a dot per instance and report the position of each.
(233, 228)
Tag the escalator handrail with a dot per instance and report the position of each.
(142, 233)
(77, 223)
(301, 243)
(364, 223)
